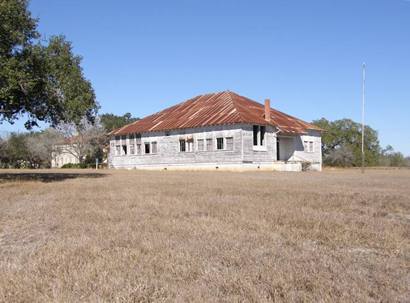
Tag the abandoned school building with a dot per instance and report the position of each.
(217, 131)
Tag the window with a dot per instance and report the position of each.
(154, 147)
(147, 147)
(131, 136)
(209, 146)
(118, 150)
(311, 147)
(262, 135)
(139, 149)
(201, 146)
(132, 149)
(190, 145)
(255, 134)
(308, 146)
(182, 147)
(123, 137)
(259, 135)
(229, 143)
(124, 149)
(219, 143)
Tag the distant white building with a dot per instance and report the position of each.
(63, 154)
(220, 130)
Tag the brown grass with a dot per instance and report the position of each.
(205, 236)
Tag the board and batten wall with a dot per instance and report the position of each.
(168, 155)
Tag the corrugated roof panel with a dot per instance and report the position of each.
(215, 109)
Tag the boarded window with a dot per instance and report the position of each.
(220, 143)
(311, 148)
(154, 147)
(182, 147)
(118, 150)
(201, 146)
(139, 149)
(229, 143)
(147, 147)
(209, 145)
(132, 149)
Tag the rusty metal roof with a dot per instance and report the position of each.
(215, 109)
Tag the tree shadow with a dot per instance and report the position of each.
(46, 176)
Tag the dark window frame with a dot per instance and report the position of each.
(182, 145)
(147, 148)
(255, 135)
(220, 143)
(262, 130)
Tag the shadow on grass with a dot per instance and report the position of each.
(46, 176)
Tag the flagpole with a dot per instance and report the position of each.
(363, 101)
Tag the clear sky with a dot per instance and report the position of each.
(143, 56)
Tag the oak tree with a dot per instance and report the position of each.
(42, 81)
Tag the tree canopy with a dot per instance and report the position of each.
(43, 81)
(341, 143)
(28, 150)
(85, 141)
(111, 121)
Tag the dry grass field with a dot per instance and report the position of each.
(119, 236)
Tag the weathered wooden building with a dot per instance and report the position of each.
(217, 131)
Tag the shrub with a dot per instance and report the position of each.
(75, 165)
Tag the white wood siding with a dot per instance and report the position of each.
(243, 152)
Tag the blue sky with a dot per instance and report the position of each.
(143, 56)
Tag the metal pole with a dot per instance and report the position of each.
(363, 101)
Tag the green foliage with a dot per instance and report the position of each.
(46, 82)
(14, 151)
(111, 121)
(389, 157)
(342, 143)
(28, 150)
(76, 165)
